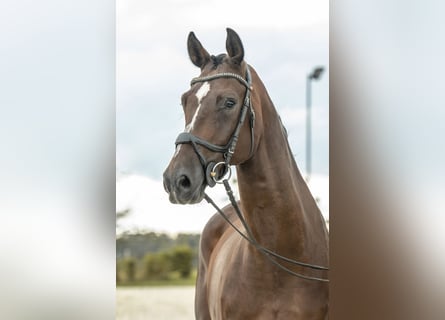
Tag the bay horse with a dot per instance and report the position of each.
(231, 120)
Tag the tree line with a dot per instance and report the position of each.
(145, 256)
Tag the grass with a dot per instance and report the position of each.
(158, 283)
(173, 280)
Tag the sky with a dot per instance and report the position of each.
(283, 42)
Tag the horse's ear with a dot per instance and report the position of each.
(197, 53)
(234, 46)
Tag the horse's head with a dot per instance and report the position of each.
(214, 107)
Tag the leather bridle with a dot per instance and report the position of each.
(228, 151)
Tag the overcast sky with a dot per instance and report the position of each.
(283, 41)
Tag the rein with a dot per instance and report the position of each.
(249, 237)
(228, 151)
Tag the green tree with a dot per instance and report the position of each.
(181, 259)
(157, 265)
(118, 277)
(129, 265)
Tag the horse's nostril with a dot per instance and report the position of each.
(184, 182)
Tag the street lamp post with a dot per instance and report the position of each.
(314, 75)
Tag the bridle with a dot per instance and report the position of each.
(228, 151)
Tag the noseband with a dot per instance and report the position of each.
(228, 149)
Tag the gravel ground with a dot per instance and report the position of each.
(157, 303)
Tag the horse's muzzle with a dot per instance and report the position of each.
(183, 187)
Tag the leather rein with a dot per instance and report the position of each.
(228, 150)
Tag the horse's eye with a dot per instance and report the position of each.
(229, 103)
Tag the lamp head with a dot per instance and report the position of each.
(316, 73)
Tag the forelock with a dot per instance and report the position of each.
(217, 60)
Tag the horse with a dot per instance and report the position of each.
(231, 121)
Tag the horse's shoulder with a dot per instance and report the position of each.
(214, 229)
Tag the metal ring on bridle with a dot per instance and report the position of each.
(228, 173)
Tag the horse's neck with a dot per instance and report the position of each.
(275, 200)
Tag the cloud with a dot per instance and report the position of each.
(151, 209)
(319, 186)
(283, 14)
